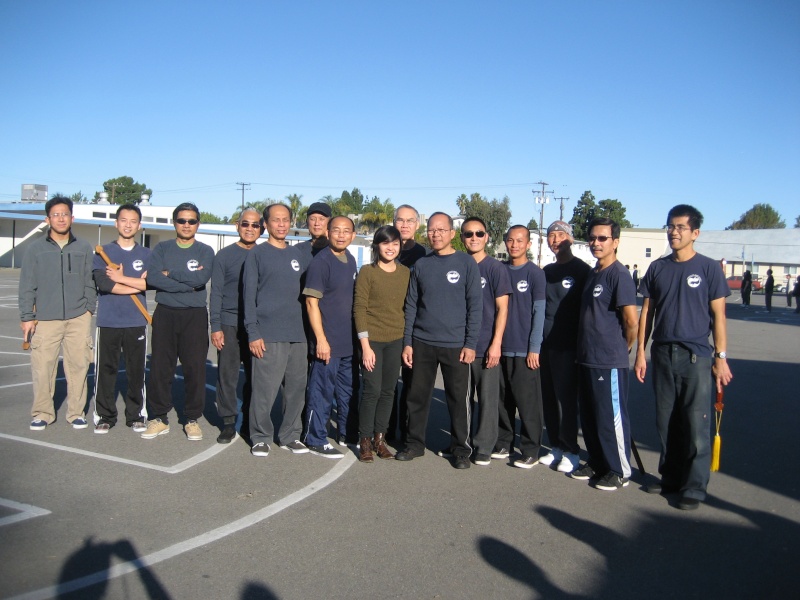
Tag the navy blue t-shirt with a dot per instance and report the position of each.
(681, 292)
(335, 280)
(495, 283)
(118, 310)
(523, 332)
(564, 287)
(601, 334)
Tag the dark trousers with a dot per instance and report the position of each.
(560, 398)
(235, 352)
(326, 383)
(399, 416)
(604, 419)
(683, 389)
(520, 391)
(379, 385)
(132, 343)
(485, 398)
(178, 333)
(455, 374)
(768, 301)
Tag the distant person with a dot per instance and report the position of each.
(769, 289)
(796, 294)
(442, 324)
(747, 288)
(789, 291)
(329, 288)
(378, 310)
(606, 333)
(636, 276)
(228, 333)
(56, 300)
(179, 271)
(684, 301)
(121, 326)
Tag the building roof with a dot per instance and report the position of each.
(762, 246)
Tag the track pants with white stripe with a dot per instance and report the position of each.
(604, 419)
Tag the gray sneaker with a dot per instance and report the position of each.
(260, 449)
(295, 447)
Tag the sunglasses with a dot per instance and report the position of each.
(599, 238)
(469, 234)
(245, 224)
(185, 221)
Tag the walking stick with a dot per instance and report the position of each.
(638, 458)
(717, 448)
(102, 254)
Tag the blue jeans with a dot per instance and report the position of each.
(682, 383)
(326, 383)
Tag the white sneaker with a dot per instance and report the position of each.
(569, 462)
(551, 457)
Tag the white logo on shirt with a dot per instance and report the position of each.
(354, 276)
(192, 265)
(522, 286)
(567, 282)
(693, 280)
(483, 282)
(598, 289)
(138, 265)
(295, 265)
(453, 276)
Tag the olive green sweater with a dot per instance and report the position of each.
(378, 303)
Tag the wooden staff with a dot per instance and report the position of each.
(102, 254)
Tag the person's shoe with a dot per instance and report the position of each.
(658, 487)
(193, 431)
(80, 423)
(326, 450)
(583, 473)
(688, 503)
(227, 435)
(500, 453)
(551, 458)
(445, 452)
(154, 428)
(102, 427)
(365, 450)
(342, 441)
(380, 448)
(569, 462)
(260, 449)
(611, 482)
(296, 447)
(482, 459)
(408, 454)
(526, 462)
(461, 462)
(139, 426)
(38, 425)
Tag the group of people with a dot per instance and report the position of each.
(547, 346)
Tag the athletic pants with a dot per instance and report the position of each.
(234, 353)
(520, 390)
(560, 398)
(132, 343)
(326, 383)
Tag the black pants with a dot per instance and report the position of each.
(378, 390)
(234, 353)
(559, 373)
(520, 390)
(132, 343)
(399, 416)
(456, 389)
(178, 333)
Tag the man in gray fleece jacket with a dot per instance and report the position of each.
(56, 300)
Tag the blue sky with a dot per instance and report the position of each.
(651, 103)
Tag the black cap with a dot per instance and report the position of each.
(321, 208)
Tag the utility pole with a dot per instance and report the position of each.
(243, 189)
(561, 217)
(543, 199)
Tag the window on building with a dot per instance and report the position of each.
(100, 215)
(162, 220)
(147, 219)
(791, 270)
(647, 252)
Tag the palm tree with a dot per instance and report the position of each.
(377, 213)
(295, 203)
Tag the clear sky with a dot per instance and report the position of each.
(651, 103)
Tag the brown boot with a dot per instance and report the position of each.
(380, 447)
(365, 450)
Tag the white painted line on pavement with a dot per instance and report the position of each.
(195, 542)
(19, 353)
(26, 511)
(19, 365)
(182, 466)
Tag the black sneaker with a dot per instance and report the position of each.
(500, 453)
(260, 449)
(482, 459)
(445, 452)
(227, 434)
(295, 447)
(526, 462)
(688, 503)
(610, 482)
(408, 454)
(583, 473)
(461, 462)
(326, 450)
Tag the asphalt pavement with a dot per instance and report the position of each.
(115, 516)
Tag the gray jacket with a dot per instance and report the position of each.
(56, 284)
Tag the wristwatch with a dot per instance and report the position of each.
(722, 354)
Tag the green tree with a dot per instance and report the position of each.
(295, 202)
(761, 216)
(458, 243)
(376, 213)
(79, 198)
(123, 190)
(212, 219)
(349, 203)
(581, 215)
(533, 225)
(613, 209)
(495, 213)
(259, 206)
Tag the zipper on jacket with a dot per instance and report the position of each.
(63, 295)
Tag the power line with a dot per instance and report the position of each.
(243, 189)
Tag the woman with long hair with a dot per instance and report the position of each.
(378, 310)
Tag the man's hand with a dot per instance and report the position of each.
(408, 357)
(28, 329)
(532, 361)
(324, 350)
(114, 275)
(467, 356)
(640, 367)
(217, 339)
(722, 373)
(257, 348)
(493, 356)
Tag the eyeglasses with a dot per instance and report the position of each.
(246, 224)
(404, 221)
(441, 232)
(599, 238)
(678, 228)
(469, 234)
(185, 221)
(59, 215)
